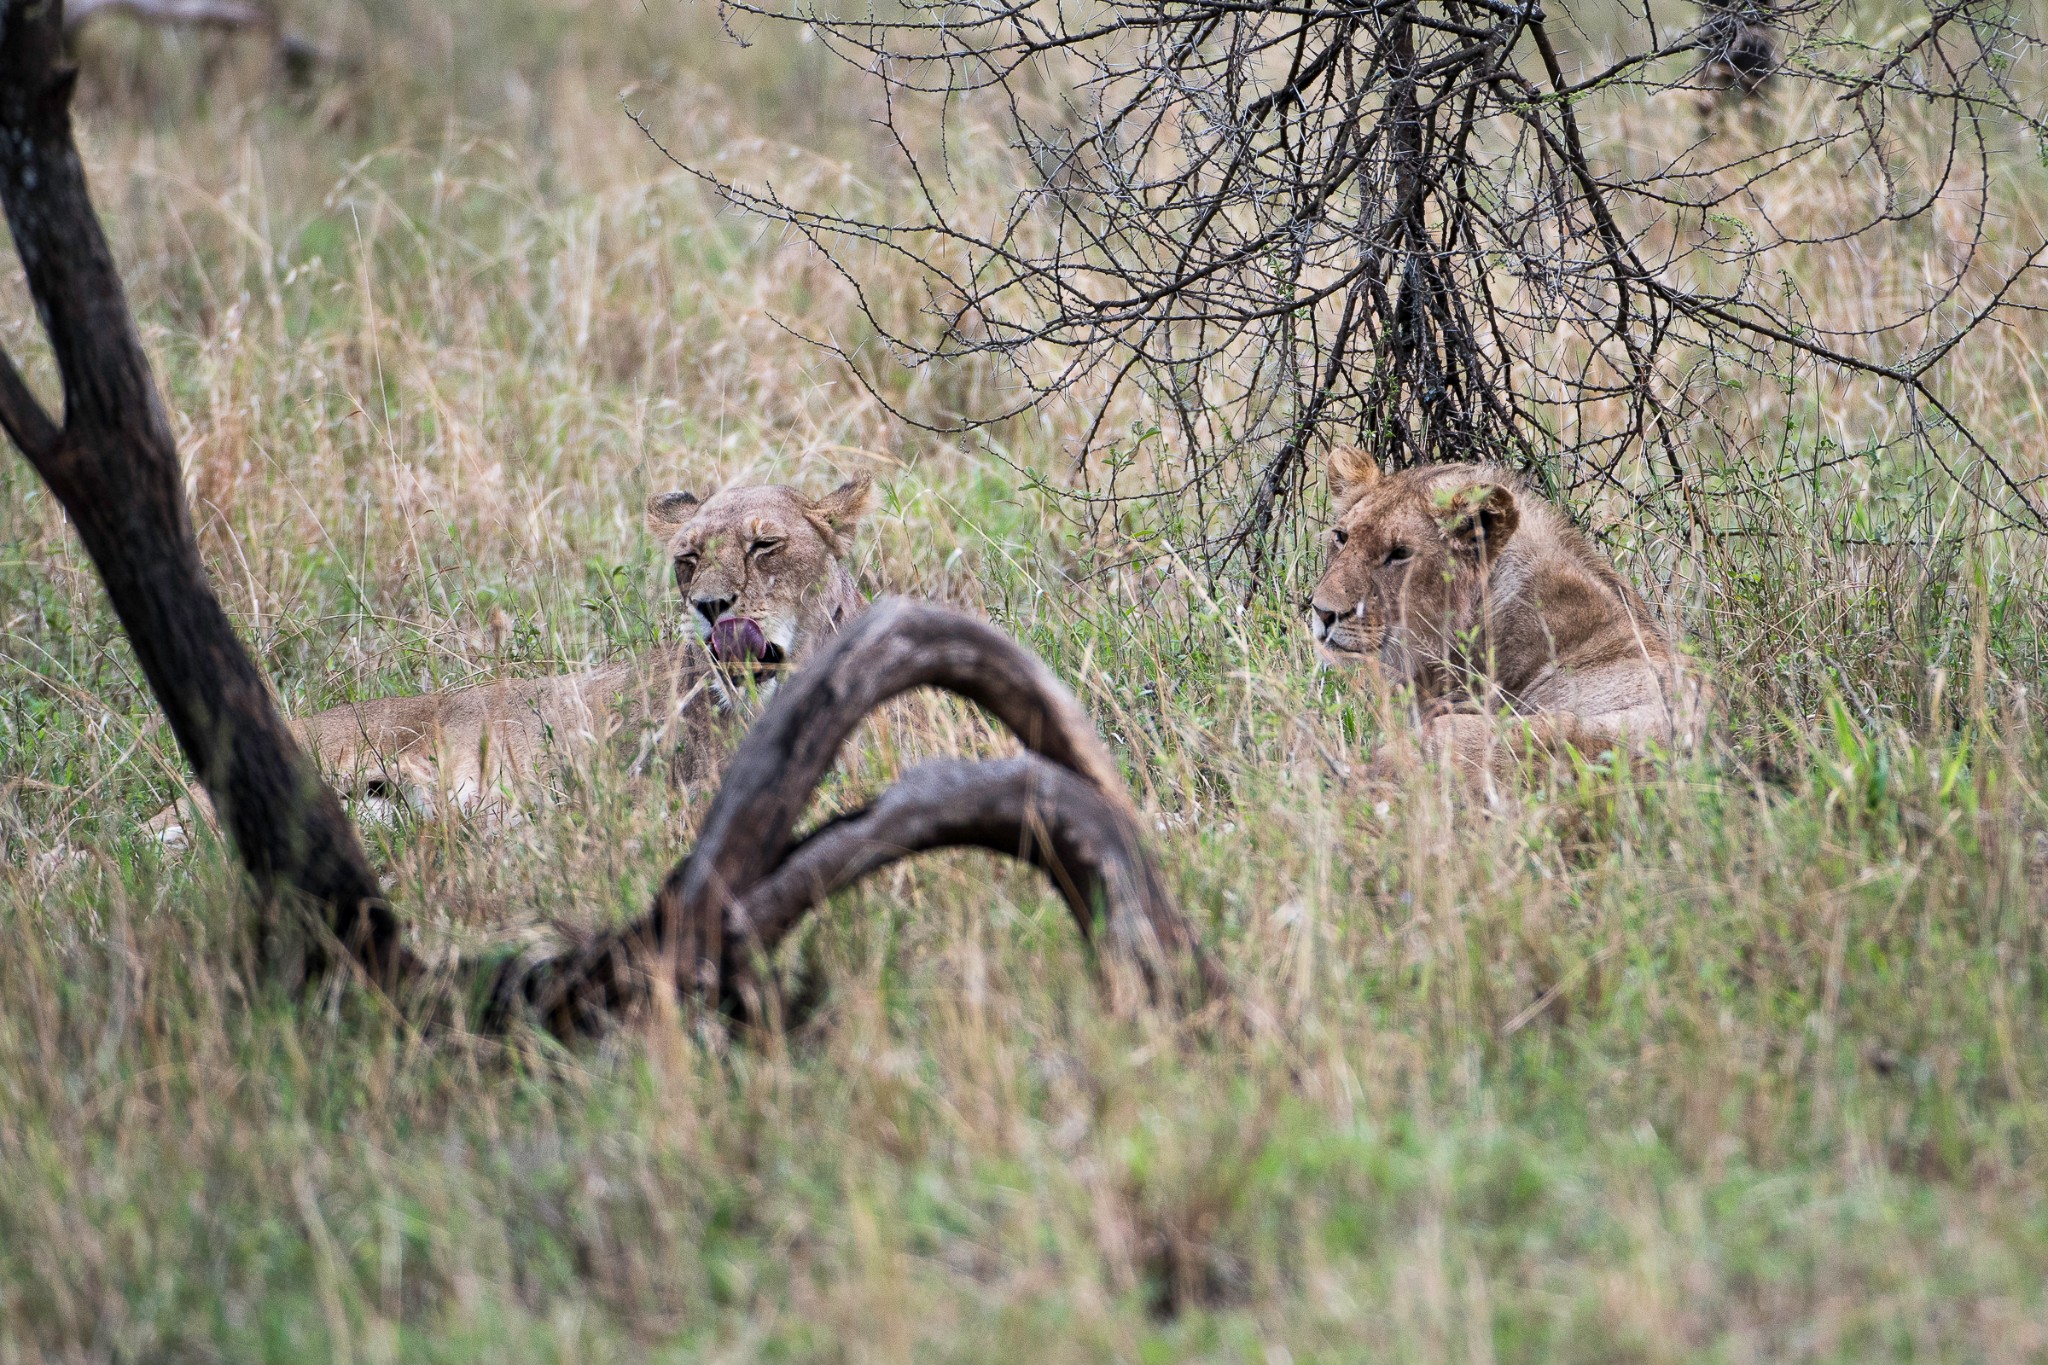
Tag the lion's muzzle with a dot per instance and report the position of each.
(1343, 634)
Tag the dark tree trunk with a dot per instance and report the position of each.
(114, 466)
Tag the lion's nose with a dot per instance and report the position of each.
(711, 608)
(1324, 619)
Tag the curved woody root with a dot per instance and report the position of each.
(729, 904)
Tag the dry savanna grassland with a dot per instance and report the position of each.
(1738, 1057)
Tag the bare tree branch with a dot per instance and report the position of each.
(1390, 222)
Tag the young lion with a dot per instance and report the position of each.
(1461, 583)
(762, 577)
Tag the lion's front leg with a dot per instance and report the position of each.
(172, 827)
(1487, 750)
(1472, 743)
(1461, 739)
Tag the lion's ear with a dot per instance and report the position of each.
(666, 511)
(1352, 471)
(839, 512)
(1479, 518)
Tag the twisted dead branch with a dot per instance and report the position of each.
(726, 907)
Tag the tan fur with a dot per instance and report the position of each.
(1499, 605)
(764, 554)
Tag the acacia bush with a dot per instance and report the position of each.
(1462, 229)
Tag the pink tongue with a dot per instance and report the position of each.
(737, 638)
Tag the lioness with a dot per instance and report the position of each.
(1461, 583)
(761, 571)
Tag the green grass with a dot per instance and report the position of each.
(1741, 1058)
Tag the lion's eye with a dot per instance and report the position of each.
(686, 565)
(1340, 535)
(1396, 554)
(763, 546)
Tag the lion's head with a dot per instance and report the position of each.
(1409, 557)
(762, 569)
